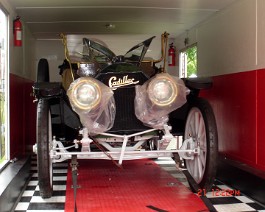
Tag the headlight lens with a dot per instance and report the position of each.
(162, 90)
(85, 94)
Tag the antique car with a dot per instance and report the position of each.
(121, 108)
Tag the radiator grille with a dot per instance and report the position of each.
(125, 119)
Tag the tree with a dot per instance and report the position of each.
(191, 61)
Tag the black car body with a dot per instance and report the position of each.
(110, 107)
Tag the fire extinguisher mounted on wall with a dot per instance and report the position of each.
(171, 55)
(17, 32)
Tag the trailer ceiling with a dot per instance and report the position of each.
(47, 18)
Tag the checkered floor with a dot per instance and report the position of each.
(31, 200)
(222, 197)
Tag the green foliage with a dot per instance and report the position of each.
(191, 61)
(2, 159)
(2, 122)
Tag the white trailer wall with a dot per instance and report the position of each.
(231, 41)
(231, 48)
(21, 59)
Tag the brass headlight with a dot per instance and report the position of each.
(162, 90)
(84, 93)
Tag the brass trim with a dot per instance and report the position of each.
(76, 102)
(164, 42)
(66, 53)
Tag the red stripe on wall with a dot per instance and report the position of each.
(261, 118)
(238, 101)
(22, 116)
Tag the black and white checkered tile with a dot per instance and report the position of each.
(225, 198)
(31, 200)
(222, 197)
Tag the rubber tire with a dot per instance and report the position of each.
(43, 71)
(211, 142)
(44, 166)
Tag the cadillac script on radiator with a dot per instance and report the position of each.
(115, 82)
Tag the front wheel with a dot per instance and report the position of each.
(44, 142)
(201, 127)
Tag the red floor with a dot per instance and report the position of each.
(140, 186)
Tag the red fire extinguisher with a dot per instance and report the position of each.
(17, 32)
(171, 55)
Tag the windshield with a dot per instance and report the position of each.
(137, 53)
(87, 53)
(98, 47)
(104, 54)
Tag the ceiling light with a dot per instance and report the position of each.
(110, 26)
